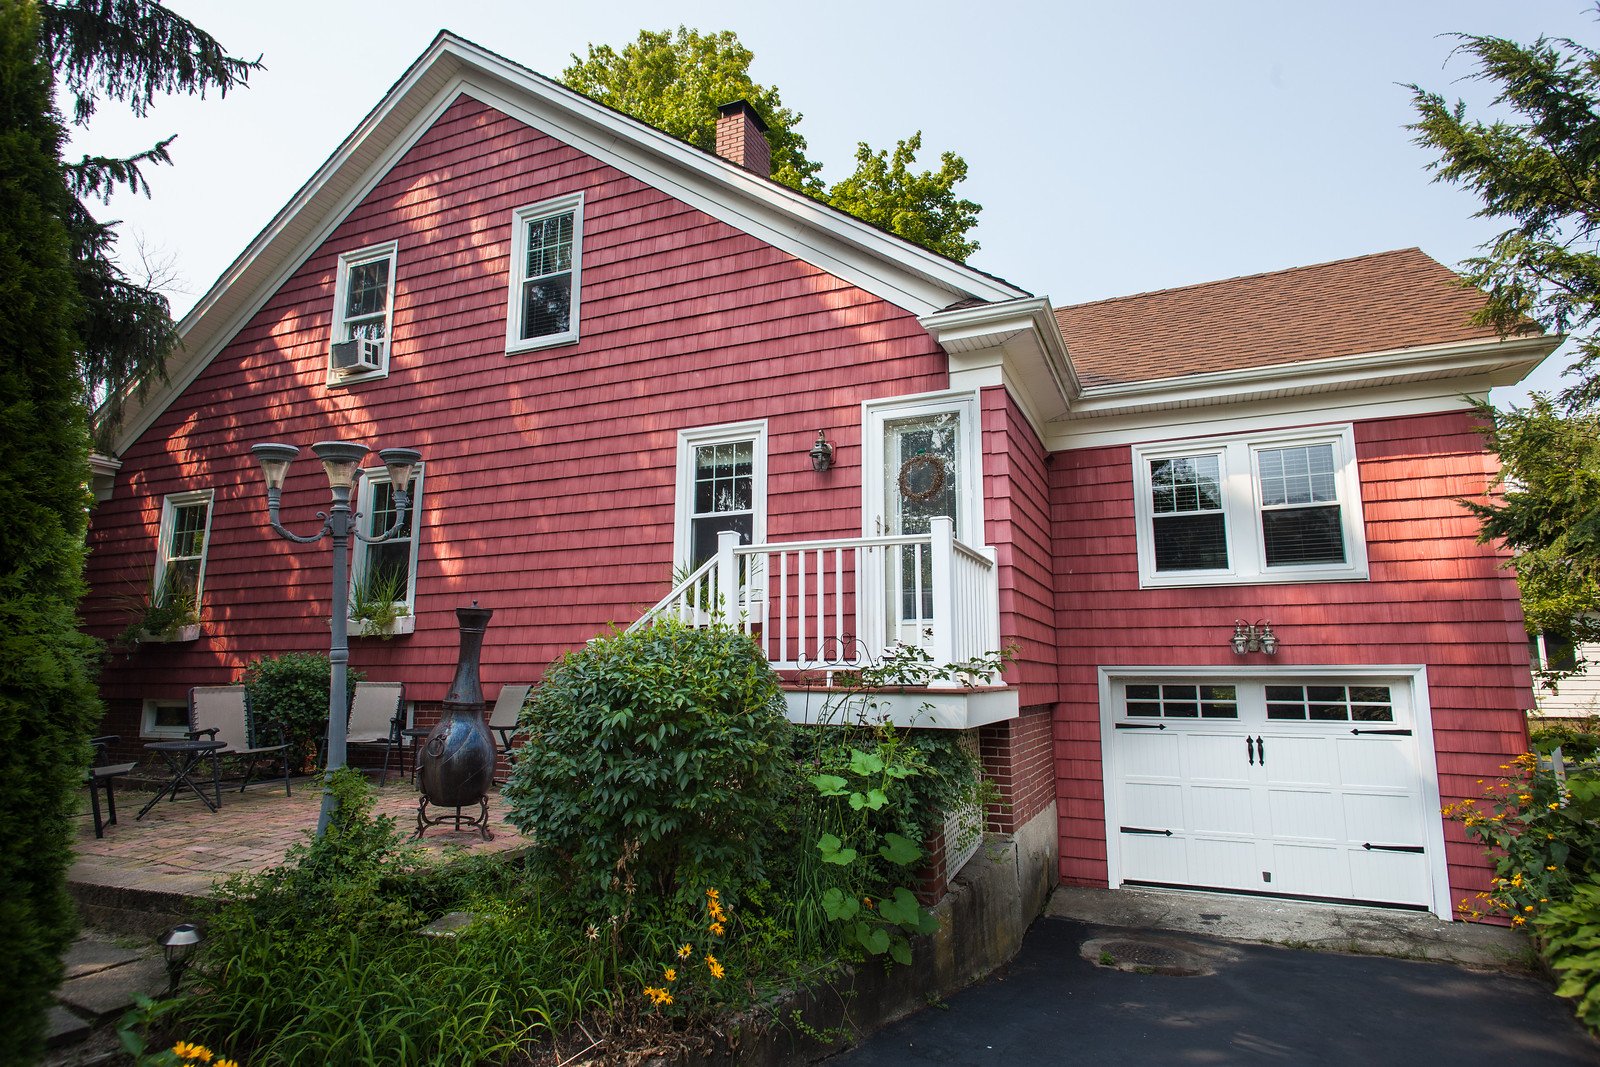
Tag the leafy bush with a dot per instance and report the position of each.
(1569, 935)
(291, 691)
(654, 761)
(1543, 838)
(1578, 739)
(318, 961)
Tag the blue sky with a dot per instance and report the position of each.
(1115, 147)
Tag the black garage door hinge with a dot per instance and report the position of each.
(1141, 726)
(1392, 733)
(1370, 847)
(1149, 833)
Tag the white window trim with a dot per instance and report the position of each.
(370, 477)
(1242, 509)
(169, 514)
(389, 250)
(147, 720)
(874, 415)
(520, 218)
(683, 501)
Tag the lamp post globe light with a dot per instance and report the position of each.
(341, 461)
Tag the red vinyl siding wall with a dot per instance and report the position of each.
(1434, 597)
(550, 474)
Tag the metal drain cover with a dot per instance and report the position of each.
(1154, 954)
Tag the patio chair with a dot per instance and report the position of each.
(503, 719)
(105, 774)
(377, 714)
(222, 713)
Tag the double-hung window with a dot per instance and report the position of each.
(722, 485)
(1270, 507)
(546, 269)
(363, 313)
(383, 580)
(181, 556)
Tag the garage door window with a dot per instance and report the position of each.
(1183, 702)
(1329, 703)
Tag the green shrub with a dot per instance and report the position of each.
(291, 691)
(654, 762)
(1569, 936)
(1543, 838)
(319, 961)
(1578, 739)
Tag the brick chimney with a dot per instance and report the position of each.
(742, 138)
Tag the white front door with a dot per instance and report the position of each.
(1296, 786)
(922, 463)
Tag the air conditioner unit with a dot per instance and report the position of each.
(357, 355)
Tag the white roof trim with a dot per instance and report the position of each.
(1503, 362)
(1017, 344)
(895, 270)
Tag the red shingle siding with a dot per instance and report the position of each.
(1017, 525)
(1435, 597)
(550, 478)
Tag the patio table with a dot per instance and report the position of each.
(182, 758)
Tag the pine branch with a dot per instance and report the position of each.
(130, 50)
(97, 177)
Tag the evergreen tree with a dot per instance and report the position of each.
(47, 699)
(1536, 167)
(129, 51)
(676, 82)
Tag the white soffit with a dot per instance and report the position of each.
(893, 269)
(1016, 344)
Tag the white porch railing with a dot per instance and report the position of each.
(841, 604)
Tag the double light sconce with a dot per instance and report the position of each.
(1254, 637)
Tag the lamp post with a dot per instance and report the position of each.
(341, 461)
(178, 946)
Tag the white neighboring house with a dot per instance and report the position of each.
(1575, 696)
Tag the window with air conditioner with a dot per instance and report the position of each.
(363, 313)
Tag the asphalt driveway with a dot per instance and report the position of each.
(1257, 1004)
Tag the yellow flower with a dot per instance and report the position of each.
(1518, 921)
(1553, 807)
(716, 928)
(1551, 867)
(226, 1063)
(1528, 907)
(685, 952)
(714, 966)
(672, 974)
(660, 997)
(1524, 797)
(189, 1051)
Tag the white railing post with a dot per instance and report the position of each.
(728, 577)
(944, 601)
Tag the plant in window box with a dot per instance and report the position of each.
(377, 602)
(172, 614)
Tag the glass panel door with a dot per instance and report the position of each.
(923, 477)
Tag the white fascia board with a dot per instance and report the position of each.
(886, 266)
(1016, 344)
(1257, 414)
(1506, 361)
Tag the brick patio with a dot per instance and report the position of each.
(180, 849)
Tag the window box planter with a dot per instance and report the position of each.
(174, 636)
(396, 627)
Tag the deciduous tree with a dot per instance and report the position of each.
(676, 81)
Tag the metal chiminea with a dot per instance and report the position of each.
(458, 756)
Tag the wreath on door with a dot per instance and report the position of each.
(922, 477)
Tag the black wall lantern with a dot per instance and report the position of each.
(821, 453)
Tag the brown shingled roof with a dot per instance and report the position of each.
(1383, 301)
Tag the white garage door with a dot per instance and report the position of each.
(1301, 787)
